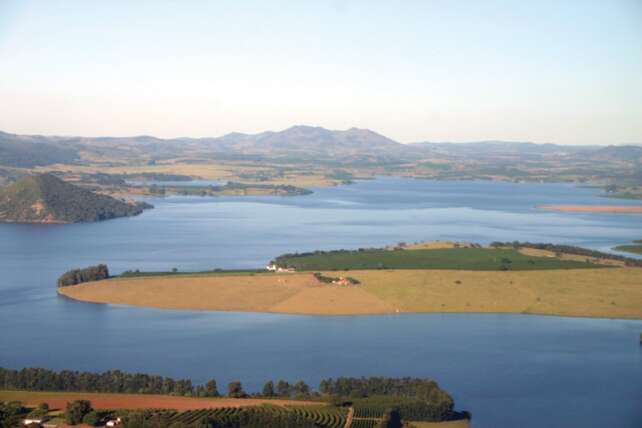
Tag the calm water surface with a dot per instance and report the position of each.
(509, 370)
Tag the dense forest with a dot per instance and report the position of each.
(47, 199)
(78, 276)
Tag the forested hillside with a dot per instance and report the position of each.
(47, 199)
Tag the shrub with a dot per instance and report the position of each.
(76, 411)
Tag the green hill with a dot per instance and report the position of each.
(47, 199)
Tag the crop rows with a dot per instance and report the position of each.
(364, 423)
(369, 412)
(324, 417)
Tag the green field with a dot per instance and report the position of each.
(447, 258)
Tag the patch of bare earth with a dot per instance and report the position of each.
(58, 400)
(333, 300)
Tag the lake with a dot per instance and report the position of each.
(508, 370)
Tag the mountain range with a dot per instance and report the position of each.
(298, 143)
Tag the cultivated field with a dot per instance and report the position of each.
(611, 292)
(432, 258)
(58, 400)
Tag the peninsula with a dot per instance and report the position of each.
(492, 280)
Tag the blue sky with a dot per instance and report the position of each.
(568, 72)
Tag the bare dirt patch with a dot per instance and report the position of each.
(58, 400)
(333, 300)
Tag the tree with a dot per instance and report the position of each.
(76, 411)
(235, 390)
(283, 389)
(210, 388)
(268, 389)
(301, 389)
(10, 414)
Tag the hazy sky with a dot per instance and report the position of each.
(545, 71)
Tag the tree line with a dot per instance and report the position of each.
(78, 276)
(116, 381)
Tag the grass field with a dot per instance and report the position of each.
(611, 293)
(436, 258)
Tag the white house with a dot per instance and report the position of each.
(36, 420)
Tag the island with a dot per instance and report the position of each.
(504, 278)
(46, 198)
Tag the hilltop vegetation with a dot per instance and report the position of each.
(47, 199)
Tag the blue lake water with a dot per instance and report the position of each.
(508, 370)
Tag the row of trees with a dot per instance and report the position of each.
(368, 386)
(116, 381)
(78, 276)
(38, 379)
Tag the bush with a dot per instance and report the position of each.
(92, 418)
(76, 411)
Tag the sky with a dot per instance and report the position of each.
(567, 72)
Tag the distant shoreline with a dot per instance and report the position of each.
(610, 209)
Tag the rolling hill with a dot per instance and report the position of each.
(48, 199)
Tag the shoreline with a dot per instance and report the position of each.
(604, 209)
(373, 314)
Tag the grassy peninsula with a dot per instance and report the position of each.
(499, 280)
